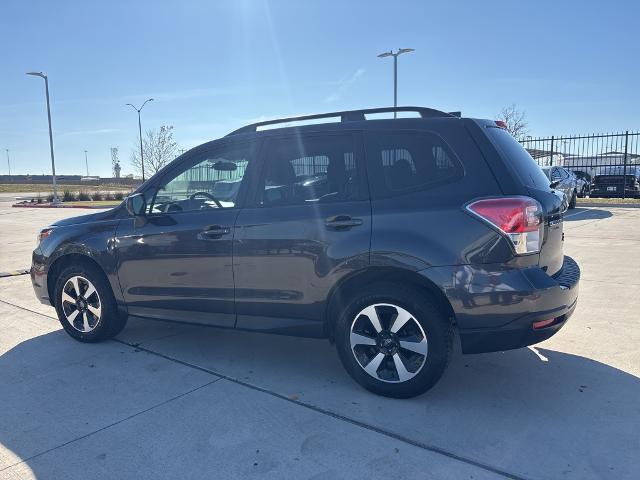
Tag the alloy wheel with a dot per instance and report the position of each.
(81, 304)
(388, 343)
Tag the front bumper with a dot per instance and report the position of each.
(38, 273)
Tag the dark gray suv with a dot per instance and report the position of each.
(387, 236)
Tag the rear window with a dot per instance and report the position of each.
(618, 171)
(525, 166)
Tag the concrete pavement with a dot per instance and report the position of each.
(167, 400)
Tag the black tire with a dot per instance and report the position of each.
(574, 200)
(433, 321)
(110, 323)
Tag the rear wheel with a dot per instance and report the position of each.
(85, 304)
(574, 199)
(394, 341)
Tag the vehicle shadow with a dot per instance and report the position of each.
(577, 413)
(508, 410)
(581, 213)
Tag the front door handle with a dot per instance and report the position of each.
(214, 231)
(342, 222)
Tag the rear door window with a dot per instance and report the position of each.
(303, 170)
(403, 162)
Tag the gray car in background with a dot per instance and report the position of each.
(564, 181)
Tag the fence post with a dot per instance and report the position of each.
(624, 170)
(552, 137)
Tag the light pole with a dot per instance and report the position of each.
(8, 162)
(395, 55)
(140, 132)
(86, 162)
(53, 163)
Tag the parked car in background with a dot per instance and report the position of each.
(563, 181)
(386, 236)
(612, 181)
(583, 183)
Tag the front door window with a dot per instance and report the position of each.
(212, 182)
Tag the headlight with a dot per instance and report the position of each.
(44, 233)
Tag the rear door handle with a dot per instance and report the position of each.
(342, 222)
(214, 231)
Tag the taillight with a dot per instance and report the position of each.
(518, 218)
(501, 124)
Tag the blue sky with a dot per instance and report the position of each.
(214, 65)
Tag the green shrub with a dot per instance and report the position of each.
(50, 198)
(97, 195)
(84, 196)
(68, 196)
(118, 196)
(109, 196)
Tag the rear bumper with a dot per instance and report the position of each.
(495, 309)
(606, 191)
(555, 299)
(516, 335)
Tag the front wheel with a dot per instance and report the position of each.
(85, 304)
(574, 200)
(394, 341)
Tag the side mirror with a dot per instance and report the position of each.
(554, 184)
(136, 204)
(222, 166)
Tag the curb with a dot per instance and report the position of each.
(607, 205)
(40, 205)
(14, 273)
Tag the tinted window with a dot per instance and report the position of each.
(525, 166)
(618, 170)
(409, 161)
(556, 174)
(210, 181)
(301, 171)
(564, 173)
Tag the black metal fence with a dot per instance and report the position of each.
(588, 155)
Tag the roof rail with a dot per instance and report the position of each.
(345, 116)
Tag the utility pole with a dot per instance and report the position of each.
(395, 72)
(86, 162)
(8, 161)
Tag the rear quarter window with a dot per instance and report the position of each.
(522, 163)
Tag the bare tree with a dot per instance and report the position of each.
(514, 120)
(159, 148)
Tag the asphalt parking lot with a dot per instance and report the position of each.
(172, 401)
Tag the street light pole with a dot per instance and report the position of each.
(53, 162)
(86, 162)
(8, 162)
(395, 73)
(140, 132)
(395, 84)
